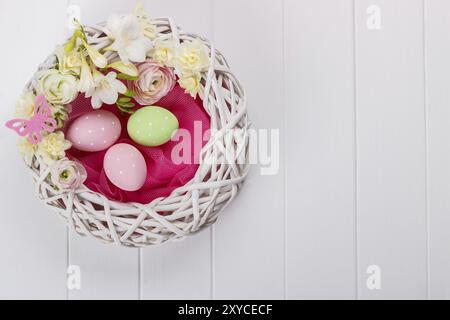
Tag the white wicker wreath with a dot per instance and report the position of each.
(190, 208)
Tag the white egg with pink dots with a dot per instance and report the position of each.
(94, 131)
(125, 167)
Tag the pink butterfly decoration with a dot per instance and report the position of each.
(41, 121)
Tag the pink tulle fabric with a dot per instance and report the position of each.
(163, 175)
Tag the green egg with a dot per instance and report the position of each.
(152, 126)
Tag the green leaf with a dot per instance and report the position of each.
(124, 100)
(125, 110)
(130, 93)
(71, 44)
(123, 76)
(128, 105)
(128, 69)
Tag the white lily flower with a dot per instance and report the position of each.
(128, 38)
(106, 89)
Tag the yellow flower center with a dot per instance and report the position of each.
(192, 59)
(64, 175)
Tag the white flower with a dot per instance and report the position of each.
(128, 38)
(67, 175)
(164, 52)
(147, 26)
(53, 147)
(60, 114)
(27, 150)
(191, 58)
(86, 79)
(97, 58)
(68, 62)
(190, 83)
(106, 89)
(57, 87)
(25, 105)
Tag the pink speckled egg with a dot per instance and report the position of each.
(94, 131)
(125, 167)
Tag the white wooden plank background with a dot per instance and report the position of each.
(364, 120)
(250, 223)
(33, 242)
(390, 133)
(437, 51)
(321, 259)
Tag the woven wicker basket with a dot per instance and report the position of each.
(188, 209)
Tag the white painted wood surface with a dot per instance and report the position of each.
(437, 51)
(33, 243)
(391, 149)
(321, 259)
(256, 218)
(364, 171)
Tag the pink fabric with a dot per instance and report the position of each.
(163, 176)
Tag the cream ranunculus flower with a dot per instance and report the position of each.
(191, 58)
(57, 87)
(25, 105)
(27, 150)
(68, 63)
(67, 175)
(106, 89)
(163, 52)
(128, 38)
(53, 147)
(190, 83)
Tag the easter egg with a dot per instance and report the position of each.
(125, 167)
(152, 126)
(94, 131)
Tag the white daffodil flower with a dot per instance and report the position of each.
(68, 62)
(191, 58)
(25, 105)
(128, 38)
(106, 89)
(27, 150)
(191, 84)
(53, 147)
